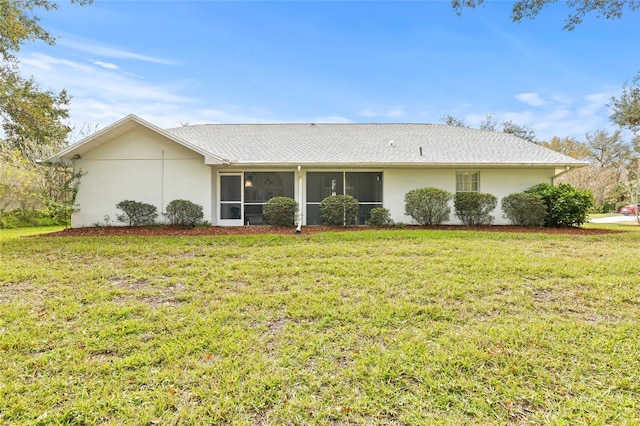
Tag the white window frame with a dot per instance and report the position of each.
(468, 181)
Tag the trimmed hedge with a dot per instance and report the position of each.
(280, 211)
(474, 208)
(524, 209)
(339, 210)
(184, 213)
(428, 206)
(136, 213)
(566, 205)
(380, 216)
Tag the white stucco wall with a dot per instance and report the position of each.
(133, 167)
(143, 166)
(499, 182)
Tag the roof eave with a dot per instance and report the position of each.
(237, 163)
(120, 127)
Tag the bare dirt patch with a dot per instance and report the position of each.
(107, 231)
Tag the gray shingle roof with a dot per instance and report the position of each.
(363, 144)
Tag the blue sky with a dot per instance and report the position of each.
(174, 62)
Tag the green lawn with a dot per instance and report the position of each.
(370, 327)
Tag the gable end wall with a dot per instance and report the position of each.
(143, 166)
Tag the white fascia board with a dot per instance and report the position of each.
(403, 165)
(120, 127)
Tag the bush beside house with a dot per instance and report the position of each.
(380, 216)
(474, 208)
(339, 210)
(281, 211)
(524, 209)
(136, 213)
(566, 205)
(428, 206)
(184, 213)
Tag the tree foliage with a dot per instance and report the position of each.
(32, 119)
(521, 131)
(19, 23)
(490, 124)
(609, 9)
(28, 186)
(608, 150)
(626, 108)
(19, 183)
(568, 146)
(612, 173)
(450, 120)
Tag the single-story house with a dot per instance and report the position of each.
(232, 170)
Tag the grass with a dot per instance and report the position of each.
(371, 327)
(6, 234)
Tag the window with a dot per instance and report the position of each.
(366, 187)
(260, 187)
(230, 196)
(467, 181)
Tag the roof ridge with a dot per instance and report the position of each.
(314, 124)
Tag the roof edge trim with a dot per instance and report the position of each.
(70, 150)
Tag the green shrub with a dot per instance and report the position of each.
(184, 213)
(281, 211)
(136, 213)
(339, 210)
(380, 216)
(428, 206)
(524, 209)
(474, 208)
(566, 205)
(22, 218)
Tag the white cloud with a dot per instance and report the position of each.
(103, 94)
(532, 99)
(99, 49)
(560, 114)
(106, 65)
(38, 63)
(563, 116)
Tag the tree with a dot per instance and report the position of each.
(568, 146)
(491, 125)
(524, 132)
(31, 119)
(19, 183)
(30, 116)
(609, 9)
(626, 108)
(18, 24)
(450, 120)
(608, 150)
